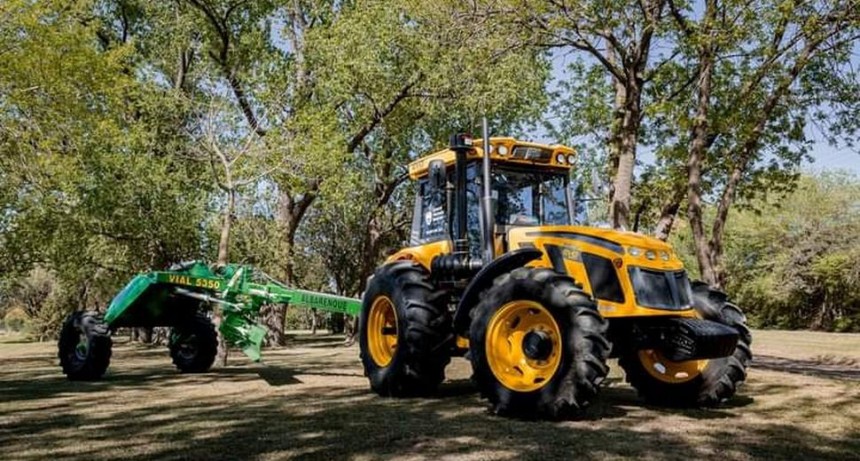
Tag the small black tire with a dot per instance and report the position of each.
(421, 324)
(194, 344)
(583, 346)
(84, 346)
(719, 380)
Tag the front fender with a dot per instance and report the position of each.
(484, 279)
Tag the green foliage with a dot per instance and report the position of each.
(15, 320)
(113, 113)
(114, 116)
(791, 259)
(91, 188)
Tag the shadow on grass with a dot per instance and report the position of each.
(143, 413)
(351, 423)
(816, 367)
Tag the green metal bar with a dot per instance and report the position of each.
(325, 302)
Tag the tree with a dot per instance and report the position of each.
(760, 76)
(91, 190)
(787, 257)
(619, 39)
(409, 75)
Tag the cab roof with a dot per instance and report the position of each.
(508, 151)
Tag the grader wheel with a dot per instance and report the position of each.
(194, 345)
(84, 348)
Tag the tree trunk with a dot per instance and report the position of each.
(273, 317)
(667, 220)
(337, 323)
(221, 356)
(627, 138)
(291, 212)
(145, 335)
(226, 224)
(351, 332)
(698, 148)
(160, 336)
(223, 259)
(614, 141)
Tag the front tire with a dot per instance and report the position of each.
(694, 383)
(194, 345)
(84, 346)
(403, 330)
(538, 346)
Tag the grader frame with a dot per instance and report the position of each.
(182, 298)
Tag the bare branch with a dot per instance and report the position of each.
(378, 116)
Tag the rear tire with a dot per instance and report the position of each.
(720, 378)
(84, 346)
(194, 345)
(404, 328)
(551, 386)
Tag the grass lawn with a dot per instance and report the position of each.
(310, 401)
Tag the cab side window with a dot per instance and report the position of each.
(429, 223)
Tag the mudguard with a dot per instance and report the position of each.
(484, 279)
(127, 296)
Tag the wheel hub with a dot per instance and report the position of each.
(83, 346)
(188, 348)
(537, 345)
(523, 345)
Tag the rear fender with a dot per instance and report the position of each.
(484, 279)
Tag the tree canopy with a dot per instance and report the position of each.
(135, 134)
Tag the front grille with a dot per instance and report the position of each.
(661, 289)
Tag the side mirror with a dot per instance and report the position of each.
(437, 175)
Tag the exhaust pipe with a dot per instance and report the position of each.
(487, 198)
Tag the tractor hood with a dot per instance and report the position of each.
(631, 247)
(627, 273)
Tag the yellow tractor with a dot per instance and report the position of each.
(497, 271)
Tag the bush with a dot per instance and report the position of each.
(16, 320)
(791, 263)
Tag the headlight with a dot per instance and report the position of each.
(559, 159)
(634, 251)
(664, 256)
(502, 150)
(651, 255)
(570, 159)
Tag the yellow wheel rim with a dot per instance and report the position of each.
(668, 371)
(382, 331)
(512, 364)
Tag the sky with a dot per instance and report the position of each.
(824, 156)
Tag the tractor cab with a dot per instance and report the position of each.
(530, 187)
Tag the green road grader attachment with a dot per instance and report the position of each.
(180, 298)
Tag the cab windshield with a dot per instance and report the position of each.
(530, 198)
(522, 198)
